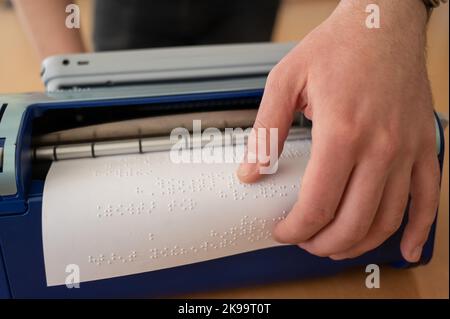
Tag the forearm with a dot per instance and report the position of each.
(44, 23)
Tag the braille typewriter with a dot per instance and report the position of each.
(111, 103)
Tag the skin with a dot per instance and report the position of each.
(373, 137)
(368, 96)
(44, 22)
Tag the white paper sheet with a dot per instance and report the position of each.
(122, 215)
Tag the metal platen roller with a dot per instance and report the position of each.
(144, 135)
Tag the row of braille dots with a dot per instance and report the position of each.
(233, 182)
(236, 188)
(193, 186)
(271, 191)
(218, 241)
(121, 210)
(123, 172)
(259, 233)
(140, 190)
(233, 186)
(205, 182)
(125, 166)
(186, 204)
(170, 186)
(239, 195)
(252, 229)
(223, 239)
(265, 191)
(155, 253)
(113, 258)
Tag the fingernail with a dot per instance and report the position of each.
(416, 253)
(245, 170)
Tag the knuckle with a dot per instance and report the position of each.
(347, 238)
(275, 78)
(292, 233)
(389, 146)
(429, 219)
(429, 200)
(409, 149)
(354, 234)
(385, 149)
(260, 122)
(396, 213)
(318, 217)
(387, 229)
(344, 137)
(429, 138)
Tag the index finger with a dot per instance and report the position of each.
(277, 108)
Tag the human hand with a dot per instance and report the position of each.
(368, 96)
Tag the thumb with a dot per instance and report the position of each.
(275, 116)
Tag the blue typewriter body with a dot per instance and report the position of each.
(22, 268)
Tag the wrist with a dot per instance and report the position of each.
(404, 13)
(400, 21)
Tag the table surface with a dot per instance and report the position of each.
(20, 72)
